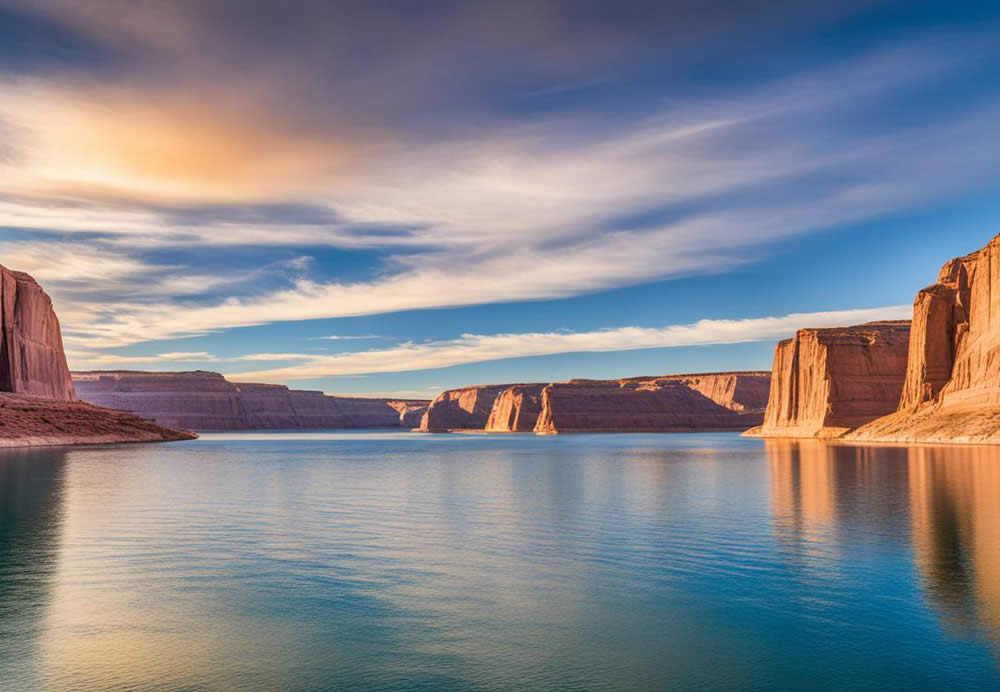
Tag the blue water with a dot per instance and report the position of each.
(396, 561)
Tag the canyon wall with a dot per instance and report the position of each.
(31, 350)
(712, 401)
(466, 408)
(952, 388)
(516, 409)
(827, 381)
(208, 401)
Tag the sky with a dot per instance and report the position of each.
(388, 197)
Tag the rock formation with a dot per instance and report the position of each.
(30, 421)
(827, 381)
(467, 408)
(208, 401)
(516, 409)
(952, 388)
(31, 349)
(189, 401)
(713, 401)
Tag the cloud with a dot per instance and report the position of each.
(475, 348)
(355, 337)
(82, 360)
(317, 143)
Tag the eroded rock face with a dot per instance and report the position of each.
(827, 381)
(713, 401)
(516, 409)
(410, 411)
(467, 408)
(207, 401)
(32, 360)
(952, 390)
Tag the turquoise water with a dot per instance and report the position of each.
(395, 561)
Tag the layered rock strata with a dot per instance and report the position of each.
(826, 382)
(32, 360)
(674, 403)
(30, 421)
(208, 401)
(952, 388)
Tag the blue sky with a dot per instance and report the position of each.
(462, 193)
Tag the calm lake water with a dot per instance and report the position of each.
(396, 561)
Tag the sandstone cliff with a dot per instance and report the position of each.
(207, 401)
(827, 381)
(952, 388)
(188, 401)
(713, 401)
(467, 408)
(516, 409)
(31, 349)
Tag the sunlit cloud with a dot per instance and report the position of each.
(475, 348)
(128, 180)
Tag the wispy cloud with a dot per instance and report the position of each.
(406, 157)
(83, 360)
(474, 348)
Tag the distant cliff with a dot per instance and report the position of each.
(516, 409)
(952, 385)
(827, 381)
(32, 360)
(466, 408)
(673, 403)
(204, 401)
(713, 401)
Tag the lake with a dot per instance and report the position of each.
(397, 561)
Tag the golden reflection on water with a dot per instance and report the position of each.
(950, 496)
(955, 510)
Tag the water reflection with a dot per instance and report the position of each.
(31, 489)
(955, 498)
(827, 496)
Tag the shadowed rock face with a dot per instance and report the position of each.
(828, 381)
(952, 389)
(713, 401)
(516, 409)
(207, 401)
(31, 349)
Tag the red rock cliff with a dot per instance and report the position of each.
(713, 401)
(516, 409)
(952, 390)
(828, 381)
(467, 408)
(32, 360)
(207, 401)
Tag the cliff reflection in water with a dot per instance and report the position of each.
(31, 508)
(950, 496)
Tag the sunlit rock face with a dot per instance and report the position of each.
(826, 382)
(516, 409)
(713, 401)
(952, 389)
(207, 401)
(32, 360)
(467, 408)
